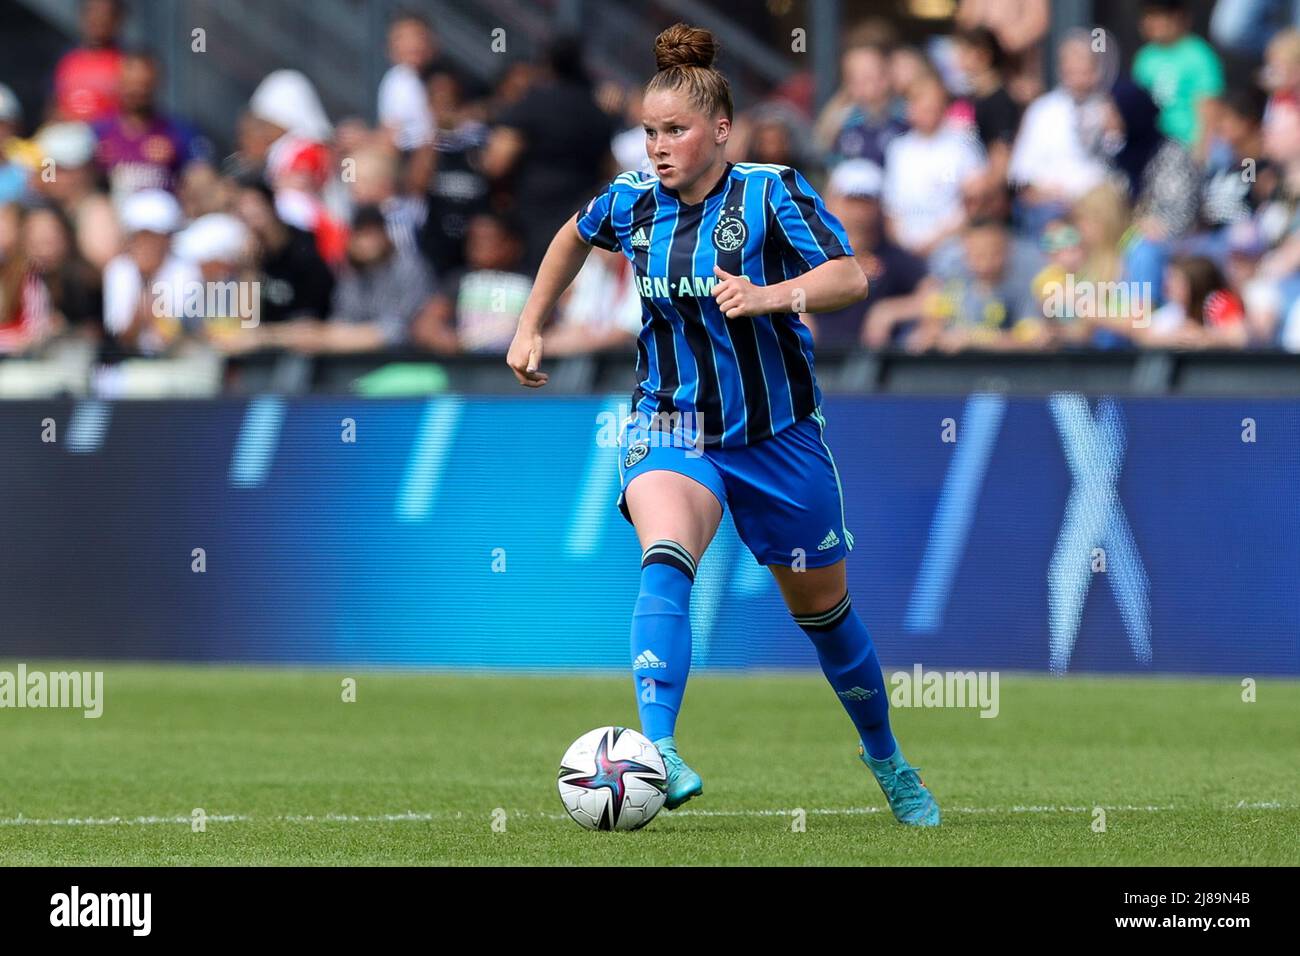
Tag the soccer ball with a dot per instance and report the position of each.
(612, 778)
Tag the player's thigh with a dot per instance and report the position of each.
(811, 590)
(784, 495)
(667, 505)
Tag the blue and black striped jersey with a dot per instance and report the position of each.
(737, 381)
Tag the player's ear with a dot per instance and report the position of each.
(721, 130)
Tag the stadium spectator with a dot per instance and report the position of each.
(141, 147)
(379, 295)
(219, 245)
(1199, 312)
(294, 280)
(286, 112)
(375, 183)
(983, 298)
(554, 145)
(405, 116)
(1066, 258)
(67, 179)
(1246, 247)
(997, 116)
(1123, 270)
(1245, 27)
(10, 229)
(907, 64)
(863, 117)
(628, 146)
(924, 171)
(86, 79)
(1162, 181)
(477, 308)
(853, 197)
(25, 318)
(1237, 175)
(458, 189)
(1020, 27)
(74, 287)
(516, 79)
(1177, 67)
(1050, 165)
(253, 140)
(777, 135)
(403, 106)
(600, 311)
(203, 189)
(1280, 76)
(1275, 288)
(144, 287)
(18, 157)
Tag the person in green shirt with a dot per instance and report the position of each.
(1178, 68)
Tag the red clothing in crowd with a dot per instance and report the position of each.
(85, 84)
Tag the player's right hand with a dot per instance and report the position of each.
(524, 358)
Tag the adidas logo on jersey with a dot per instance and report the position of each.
(640, 240)
(830, 541)
(856, 693)
(647, 659)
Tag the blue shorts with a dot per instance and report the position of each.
(784, 492)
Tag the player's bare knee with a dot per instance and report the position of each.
(811, 591)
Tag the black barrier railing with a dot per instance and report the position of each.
(846, 372)
(840, 372)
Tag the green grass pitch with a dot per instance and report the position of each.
(418, 768)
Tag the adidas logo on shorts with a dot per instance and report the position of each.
(830, 541)
(640, 241)
(647, 659)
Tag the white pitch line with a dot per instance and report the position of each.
(428, 817)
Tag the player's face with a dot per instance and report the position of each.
(681, 142)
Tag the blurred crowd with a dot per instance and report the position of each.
(1146, 206)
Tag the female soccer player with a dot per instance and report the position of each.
(726, 411)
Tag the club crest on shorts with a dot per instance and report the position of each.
(635, 453)
(730, 233)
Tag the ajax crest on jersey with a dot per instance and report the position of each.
(730, 233)
(635, 453)
(612, 778)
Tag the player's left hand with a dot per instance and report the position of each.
(738, 297)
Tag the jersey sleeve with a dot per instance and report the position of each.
(799, 222)
(596, 221)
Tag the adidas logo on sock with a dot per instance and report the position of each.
(640, 241)
(856, 693)
(647, 659)
(830, 541)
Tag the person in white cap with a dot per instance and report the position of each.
(144, 286)
(221, 247)
(65, 176)
(893, 274)
(286, 111)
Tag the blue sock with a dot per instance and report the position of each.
(848, 660)
(661, 636)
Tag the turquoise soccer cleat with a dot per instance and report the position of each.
(901, 783)
(683, 782)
